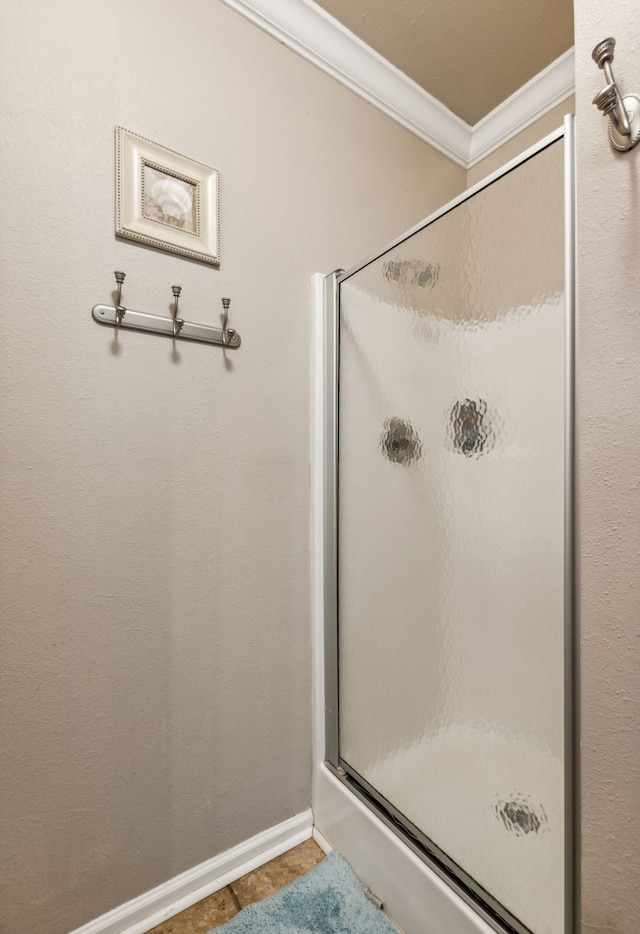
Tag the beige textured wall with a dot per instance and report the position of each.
(154, 549)
(609, 434)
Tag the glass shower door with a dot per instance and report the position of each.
(451, 538)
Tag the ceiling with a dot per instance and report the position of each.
(469, 54)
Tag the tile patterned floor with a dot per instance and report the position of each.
(213, 911)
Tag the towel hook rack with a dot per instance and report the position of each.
(117, 316)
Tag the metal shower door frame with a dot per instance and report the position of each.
(482, 902)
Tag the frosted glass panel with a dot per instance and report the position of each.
(451, 534)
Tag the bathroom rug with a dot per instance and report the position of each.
(329, 899)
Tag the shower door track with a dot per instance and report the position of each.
(487, 907)
(493, 913)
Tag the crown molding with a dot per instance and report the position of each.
(307, 29)
(312, 33)
(533, 100)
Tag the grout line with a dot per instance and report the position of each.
(235, 898)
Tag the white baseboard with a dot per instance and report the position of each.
(146, 911)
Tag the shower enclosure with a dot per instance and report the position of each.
(448, 541)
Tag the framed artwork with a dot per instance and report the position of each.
(166, 200)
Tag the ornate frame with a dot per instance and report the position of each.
(179, 182)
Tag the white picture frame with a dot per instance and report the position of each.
(166, 200)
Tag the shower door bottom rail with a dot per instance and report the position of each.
(494, 913)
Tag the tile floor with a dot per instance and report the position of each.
(213, 911)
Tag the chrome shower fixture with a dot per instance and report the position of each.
(623, 112)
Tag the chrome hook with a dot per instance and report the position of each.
(177, 322)
(624, 112)
(120, 310)
(226, 333)
(609, 100)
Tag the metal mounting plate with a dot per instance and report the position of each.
(618, 140)
(156, 324)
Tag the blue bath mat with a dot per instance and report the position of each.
(329, 899)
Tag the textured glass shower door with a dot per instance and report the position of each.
(452, 541)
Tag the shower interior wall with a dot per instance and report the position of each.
(493, 520)
(393, 674)
(451, 557)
